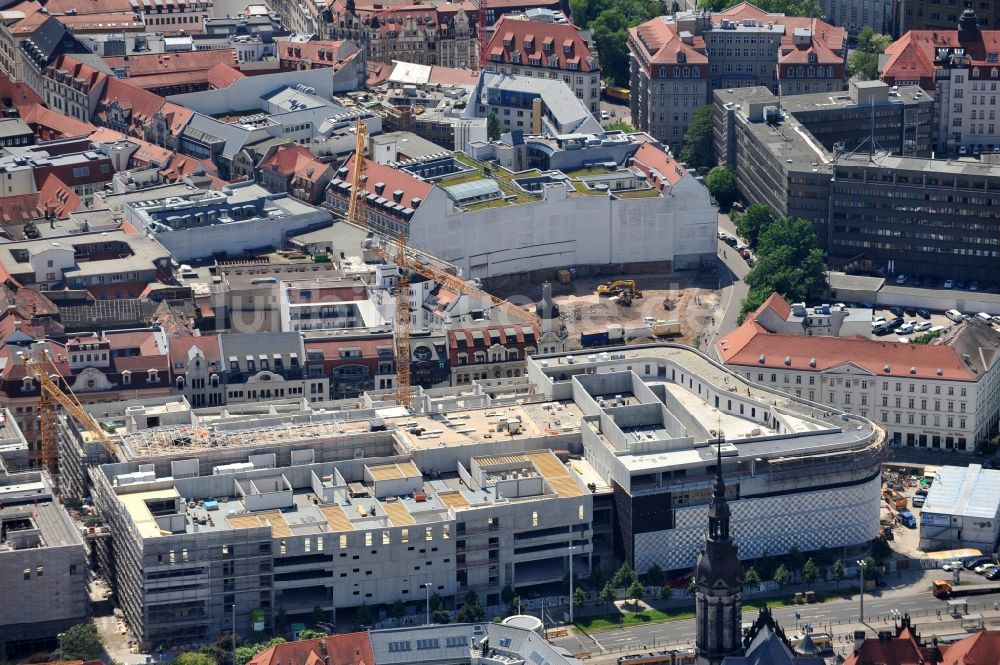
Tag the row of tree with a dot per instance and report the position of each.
(609, 21)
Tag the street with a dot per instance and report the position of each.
(842, 614)
(732, 289)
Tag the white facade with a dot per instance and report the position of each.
(562, 230)
(919, 413)
(966, 108)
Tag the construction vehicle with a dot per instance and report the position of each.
(666, 328)
(619, 287)
(44, 370)
(944, 590)
(395, 250)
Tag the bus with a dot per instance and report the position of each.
(617, 94)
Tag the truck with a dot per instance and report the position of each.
(594, 337)
(944, 590)
(617, 93)
(907, 519)
(666, 328)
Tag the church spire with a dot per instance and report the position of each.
(718, 512)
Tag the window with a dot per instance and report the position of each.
(534, 518)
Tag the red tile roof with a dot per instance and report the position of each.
(92, 79)
(749, 343)
(154, 70)
(327, 294)
(317, 52)
(983, 648)
(393, 179)
(659, 165)
(53, 193)
(452, 75)
(90, 6)
(180, 346)
(295, 160)
(899, 650)
(378, 72)
(177, 117)
(142, 103)
(222, 76)
(345, 649)
(20, 95)
(50, 124)
(512, 35)
(911, 57)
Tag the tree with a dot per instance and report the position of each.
(493, 127)
(397, 610)
(824, 557)
(863, 60)
(674, 7)
(782, 576)
(838, 572)
(281, 620)
(624, 577)
(620, 126)
(751, 224)
(721, 183)
(440, 616)
(471, 610)
(310, 634)
(318, 615)
(610, 30)
(666, 592)
(692, 586)
(789, 262)
(514, 607)
(699, 147)
(579, 598)
(881, 551)
(809, 571)
(364, 617)
(246, 652)
(507, 594)
(793, 560)
(751, 579)
(194, 658)
(654, 576)
(81, 642)
(766, 567)
(636, 591)
(607, 596)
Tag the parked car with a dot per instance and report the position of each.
(881, 330)
(974, 286)
(922, 326)
(905, 329)
(918, 501)
(896, 323)
(909, 311)
(948, 283)
(955, 315)
(951, 565)
(982, 568)
(923, 313)
(877, 321)
(731, 241)
(901, 279)
(993, 575)
(896, 310)
(972, 563)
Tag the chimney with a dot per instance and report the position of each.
(859, 639)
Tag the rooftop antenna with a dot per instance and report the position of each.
(873, 147)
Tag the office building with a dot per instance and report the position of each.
(678, 61)
(939, 396)
(962, 509)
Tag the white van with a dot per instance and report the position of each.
(954, 315)
(938, 329)
(984, 317)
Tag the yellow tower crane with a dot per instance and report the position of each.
(44, 371)
(357, 213)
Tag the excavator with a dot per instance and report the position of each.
(620, 287)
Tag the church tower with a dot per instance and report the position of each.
(719, 579)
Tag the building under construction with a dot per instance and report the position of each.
(473, 489)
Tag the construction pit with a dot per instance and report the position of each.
(689, 297)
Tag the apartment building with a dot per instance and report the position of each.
(174, 16)
(960, 67)
(43, 561)
(531, 105)
(940, 396)
(490, 352)
(332, 304)
(271, 366)
(676, 62)
(879, 15)
(423, 34)
(545, 49)
(196, 370)
(944, 14)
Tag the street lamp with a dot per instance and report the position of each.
(426, 586)
(60, 637)
(861, 564)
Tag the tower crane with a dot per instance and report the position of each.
(406, 262)
(43, 369)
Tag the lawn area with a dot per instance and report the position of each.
(594, 170)
(459, 178)
(787, 601)
(638, 193)
(586, 191)
(597, 624)
(468, 161)
(495, 203)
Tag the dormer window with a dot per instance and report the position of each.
(812, 57)
(153, 376)
(681, 57)
(127, 377)
(529, 43)
(27, 383)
